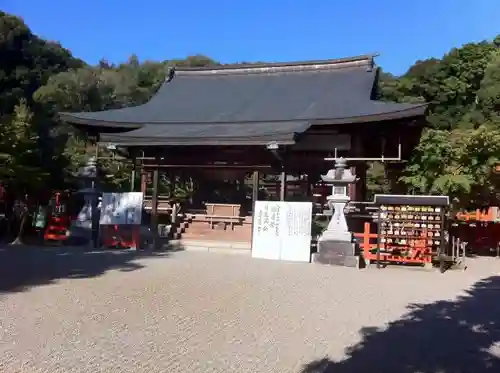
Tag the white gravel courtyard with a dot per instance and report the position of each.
(201, 312)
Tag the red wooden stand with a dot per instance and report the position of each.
(57, 229)
(121, 236)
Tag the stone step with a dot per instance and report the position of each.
(218, 235)
(202, 217)
(225, 247)
(176, 235)
(206, 227)
(196, 226)
(221, 234)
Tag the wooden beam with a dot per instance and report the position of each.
(207, 166)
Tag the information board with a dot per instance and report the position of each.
(282, 230)
(121, 208)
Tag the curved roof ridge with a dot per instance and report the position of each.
(348, 62)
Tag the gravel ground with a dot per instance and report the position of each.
(199, 312)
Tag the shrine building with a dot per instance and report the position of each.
(231, 127)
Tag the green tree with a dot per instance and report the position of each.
(94, 89)
(102, 87)
(462, 90)
(376, 180)
(450, 85)
(21, 169)
(26, 63)
(488, 95)
(458, 163)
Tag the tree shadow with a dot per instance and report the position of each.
(22, 267)
(442, 337)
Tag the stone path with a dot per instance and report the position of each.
(199, 312)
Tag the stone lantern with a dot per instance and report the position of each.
(335, 245)
(86, 225)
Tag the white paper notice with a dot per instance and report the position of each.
(282, 230)
(121, 208)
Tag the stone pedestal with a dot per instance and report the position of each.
(339, 253)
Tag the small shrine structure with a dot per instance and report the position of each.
(233, 124)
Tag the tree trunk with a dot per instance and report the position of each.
(22, 226)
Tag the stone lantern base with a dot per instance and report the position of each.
(341, 253)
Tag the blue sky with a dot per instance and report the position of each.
(402, 31)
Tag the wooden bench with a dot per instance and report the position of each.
(164, 205)
(223, 213)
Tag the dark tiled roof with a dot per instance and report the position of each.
(210, 134)
(251, 101)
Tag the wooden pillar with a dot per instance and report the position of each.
(309, 187)
(144, 183)
(351, 188)
(154, 208)
(171, 183)
(173, 202)
(255, 188)
(357, 191)
(282, 185)
(360, 186)
(393, 172)
(95, 199)
(242, 194)
(132, 178)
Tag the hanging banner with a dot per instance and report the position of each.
(121, 208)
(282, 230)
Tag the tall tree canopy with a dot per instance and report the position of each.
(38, 78)
(26, 63)
(458, 153)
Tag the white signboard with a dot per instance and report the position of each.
(121, 208)
(282, 230)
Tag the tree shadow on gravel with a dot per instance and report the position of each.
(442, 337)
(22, 267)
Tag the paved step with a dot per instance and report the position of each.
(239, 248)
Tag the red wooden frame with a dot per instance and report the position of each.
(369, 243)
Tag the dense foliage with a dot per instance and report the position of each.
(456, 155)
